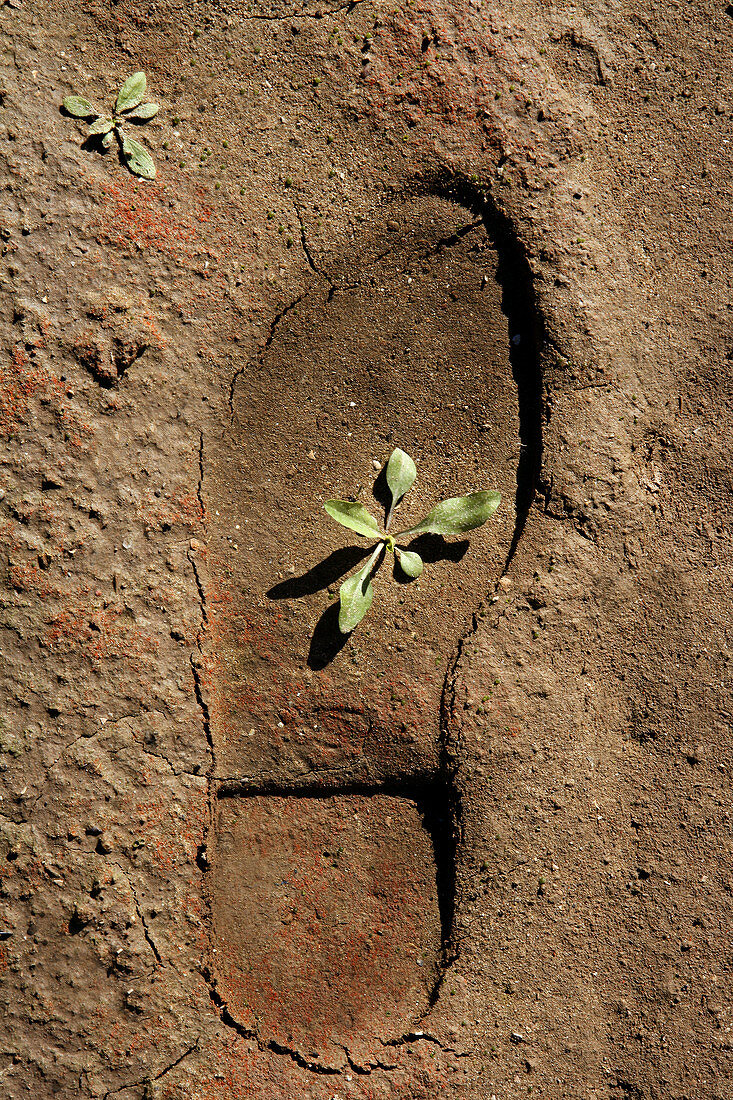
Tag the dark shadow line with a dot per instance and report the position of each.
(526, 331)
(519, 305)
(413, 787)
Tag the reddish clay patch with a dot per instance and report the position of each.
(326, 920)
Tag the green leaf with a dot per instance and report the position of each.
(80, 108)
(131, 92)
(459, 514)
(356, 595)
(401, 473)
(137, 158)
(144, 112)
(108, 139)
(352, 515)
(101, 126)
(411, 563)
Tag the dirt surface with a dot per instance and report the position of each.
(481, 848)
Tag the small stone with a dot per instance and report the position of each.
(104, 844)
(517, 1037)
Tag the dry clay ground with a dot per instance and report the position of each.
(482, 847)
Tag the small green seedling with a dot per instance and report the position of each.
(450, 517)
(128, 108)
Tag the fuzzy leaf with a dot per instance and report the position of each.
(137, 158)
(352, 515)
(131, 92)
(79, 107)
(101, 126)
(401, 473)
(459, 514)
(144, 112)
(108, 139)
(356, 595)
(411, 563)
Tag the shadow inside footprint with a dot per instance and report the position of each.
(327, 641)
(321, 576)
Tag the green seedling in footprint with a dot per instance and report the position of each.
(128, 108)
(451, 517)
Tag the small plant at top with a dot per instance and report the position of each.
(451, 517)
(128, 108)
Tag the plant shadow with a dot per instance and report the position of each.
(382, 492)
(321, 575)
(328, 641)
(92, 143)
(431, 548)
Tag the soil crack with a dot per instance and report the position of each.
(158, 1076)
(274, 324)
(144, 924)
(263, 1044)
(426, 1037)
(200, 485)
(203, 705)
(321, 13)
(197, 661)
(308, 254)
(166, 760)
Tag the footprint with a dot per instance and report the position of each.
(333, 843)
